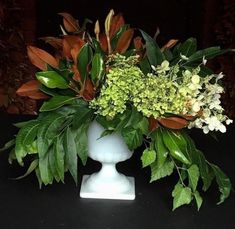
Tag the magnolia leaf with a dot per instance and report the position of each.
(31, 90)
(223, 182)
(207, 53)
(176, 145)
(32, 167)
(71, 153)
(56, 102)
(70, 24)
(153, 124)
(118, 34)
(169, 44)
(132, 137)
(159, 172)
(53, 41)
(198, 199)
(193, 174)
(188, 47)
(97, 29)
(98, 69)
(148, 157)
(182, 195)
(41, 58)
(173, 122)
(116, 23)
(124, 41)
(52, 79)
(153, 51)
(71, 46)
(108, 21)
(83, 60)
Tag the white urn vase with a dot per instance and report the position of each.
(108, 183)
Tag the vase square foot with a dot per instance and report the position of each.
(128, 195)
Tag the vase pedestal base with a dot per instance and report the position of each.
(106, 192)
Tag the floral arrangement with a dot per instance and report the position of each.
(122, 79)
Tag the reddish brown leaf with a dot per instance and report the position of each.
(89, 91)
(169, 44)
(138, 43)
(41, 58)
(70, 23)
(153, 124)
(124, 41)
(53, 41)
(13, 109)
(31, 90)
(116, 24)
(76, 75)
(103, 42)
(173, 122)
(72, 42)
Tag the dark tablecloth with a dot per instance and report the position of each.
(24, 205)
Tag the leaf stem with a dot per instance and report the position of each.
(178, 171)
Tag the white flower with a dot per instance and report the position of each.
(163, 67)
(228, 121)
(204, 61)
(196, 106)
(195, 79)
(183, 57)
(205, 129)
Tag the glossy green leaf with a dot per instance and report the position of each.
(48, 91)
(70, 153)
(83, 60)
(132, 137)
(118, 35)
(145, 66)
(198, 199)
(176, 145)
(223, 182)
(148, 157)
(98, 69)
(160, 148)
(207, 53)
(188, 47)
(52, 79)
(182, 195)
(159, 172)
(193, 175)
(153, 51)
(56, 102)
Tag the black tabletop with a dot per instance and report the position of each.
(24, 205)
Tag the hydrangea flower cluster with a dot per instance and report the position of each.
(165, 91)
